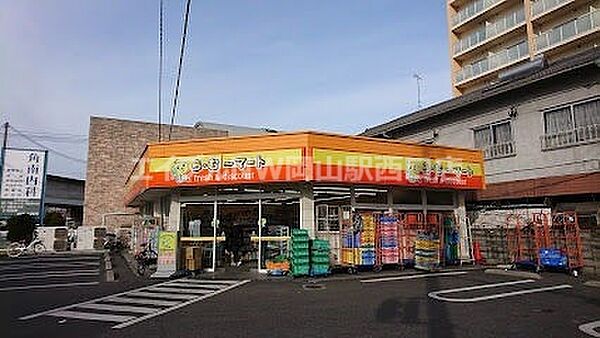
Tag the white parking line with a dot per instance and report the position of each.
(139, 301)
(590, 328)
(436, 294)
(49, 265)
(52, 275)
(421, 275)
(129, 323)
(149, 301)
(118, 308)
(48, 286)
(34, 260)
(91, 316)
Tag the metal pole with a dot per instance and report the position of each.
(259, 234)
(214, 251)
(6, 125)
(2, 154)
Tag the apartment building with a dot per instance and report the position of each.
(488, 39)
(540, 135)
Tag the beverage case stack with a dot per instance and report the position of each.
(350, 247)
(319, 257)
(388, 239)
(427, 249)
(367, 240)
(299, 252)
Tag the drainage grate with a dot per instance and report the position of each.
(313, 286)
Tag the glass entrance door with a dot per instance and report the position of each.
(237, 222)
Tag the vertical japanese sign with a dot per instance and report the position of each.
(167, 253)
(23, 182)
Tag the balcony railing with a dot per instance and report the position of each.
(579, 26)
(491, 30)
(499, 150)
(581, 135)
(542, 6)
(493, 62)
(472, 9)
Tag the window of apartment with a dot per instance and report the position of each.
(495, 140)
(573, 124)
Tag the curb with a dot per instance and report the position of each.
(592, 283)
(513, 273)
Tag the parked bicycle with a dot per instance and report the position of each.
(36, 247)
(146, 259)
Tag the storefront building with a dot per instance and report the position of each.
(257, 189)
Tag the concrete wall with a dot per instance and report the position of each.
(528, 126)
(113, 149)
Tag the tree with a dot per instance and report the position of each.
(20, 227)
(54, 219)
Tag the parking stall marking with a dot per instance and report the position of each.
(436, 294)
(421, 275)
(46, 259)
(49, 272)
(47, 286)
(43, 275)
(124, 308)
(590, 328)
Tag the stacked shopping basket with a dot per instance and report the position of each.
(367, 240)
(299, 252)
(388, 240)
(319, 257)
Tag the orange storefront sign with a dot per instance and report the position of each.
(297, 157)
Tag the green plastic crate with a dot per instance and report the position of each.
(299, 232)
(323, 260)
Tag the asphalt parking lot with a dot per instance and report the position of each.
(469, 304)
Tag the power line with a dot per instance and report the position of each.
(181, 54)
(57, 139)
(160, 67)
(61, 154)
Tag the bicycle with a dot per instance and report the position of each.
(145, 259)
(16, 249)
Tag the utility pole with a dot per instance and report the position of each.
(419, 79)
(5, 142)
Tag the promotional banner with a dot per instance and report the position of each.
(167, 254)
(23, 179)
(343, 166)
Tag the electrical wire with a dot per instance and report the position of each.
(160, 67)
(50, 149)
(57, 139)
(181, 54)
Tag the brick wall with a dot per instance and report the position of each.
(114, 146)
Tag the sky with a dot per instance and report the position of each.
(338, 66)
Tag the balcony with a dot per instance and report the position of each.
(569, 31)
(472, 10)
(491, 31)
(493, 62)
(568, 138)
(499, 150)
(540, 7)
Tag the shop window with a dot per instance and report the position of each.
(370, 196)
(440, 197)
(406, 196)
(328, 218)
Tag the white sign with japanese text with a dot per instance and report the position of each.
(23, 174)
